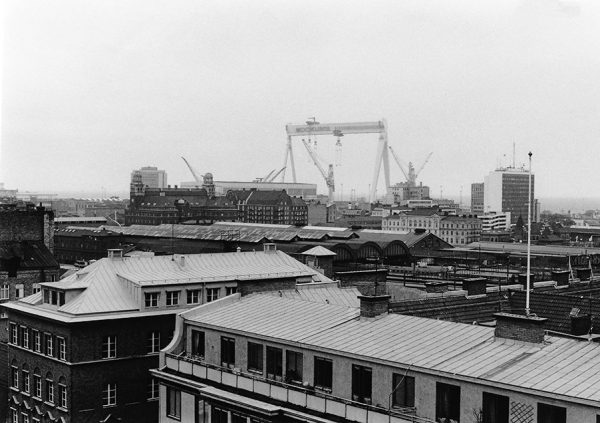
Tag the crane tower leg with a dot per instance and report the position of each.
(289, 153)
(378, 159)
(386, 164)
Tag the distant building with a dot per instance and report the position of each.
(477, 198)
(453, 229)
(150, 176)
(77, 244)
(295, 189)
(321, 212)
(275, 207)
(404, 191)
(507, 190)
(81, 348)
(7, 195)
(495, 221)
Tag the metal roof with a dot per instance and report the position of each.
(324, 293)
(559, 366)
(319, 251)
(521, 248)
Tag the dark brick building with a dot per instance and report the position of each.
(83, 244)
(275, 207)
(80, 349)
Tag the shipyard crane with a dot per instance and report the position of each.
(197, 178)
(397, 159)
(266, 178)
(411, 175)
(328, 176)
(272, 178)
(313, 128)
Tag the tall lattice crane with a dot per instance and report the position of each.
(412, 174)
(328, 176)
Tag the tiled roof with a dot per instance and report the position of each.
(31, 254)
(104, 288)
(558, 366)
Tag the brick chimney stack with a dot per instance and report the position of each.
(520, 327)
(374, 305)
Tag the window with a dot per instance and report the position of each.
(37, 341)
(274, 363)
(19, 291)
(193, 296)
(62, 351)
(551, 414)
(25, 417)
(495, 408)
(197, 343)
(293, 366)
(26, 381)
(230, 290)
(35, 288)
(172, 298)
(109, 395)
(14, 337)
(323, 373)
(403, 390)
(212, 294)
(255, 357)
(109, 346)
(151, 299)
(49, 388)
(4, 292)
(24, 337)
(37, 384)
(14, 416)
(62, 392)
(14, 382)
(361, 383)
(447, 402)
(49, 344)
(154, 342)
(153, 392)
(227, 352)
(173, 403)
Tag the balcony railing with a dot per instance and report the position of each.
(299, 395)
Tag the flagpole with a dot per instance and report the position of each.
(528, 243)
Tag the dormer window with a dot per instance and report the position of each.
(54, 297)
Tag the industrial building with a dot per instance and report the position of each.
(257, 358)
(80, 349)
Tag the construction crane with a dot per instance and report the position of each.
(198, 178)
(272, 178)
(328, 176)
(411, 175)
(266, 178)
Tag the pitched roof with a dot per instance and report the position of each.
(559, 366)
(30, 255)
(319, 252)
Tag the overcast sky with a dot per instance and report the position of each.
(94, 89)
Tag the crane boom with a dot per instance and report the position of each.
(331, 128)
(272, 178)
(397, 159)
(328, 176)
(423, 165)
(199, 181)
(266, 178)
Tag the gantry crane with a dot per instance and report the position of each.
(312, 128)
(411, 175)
(328, 176)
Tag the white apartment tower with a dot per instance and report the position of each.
(507, 190)
(151, 177)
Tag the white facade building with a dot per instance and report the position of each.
(495, 221)
(507, 190)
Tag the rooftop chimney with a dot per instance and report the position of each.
(373, 305)
(475, 286)
(561, 277)
(520, 327)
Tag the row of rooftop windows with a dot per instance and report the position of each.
(192, 296)
(267, 361)
(36, 341)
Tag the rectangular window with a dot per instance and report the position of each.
(153, 392)
(46, 294)
(255, 357)
(19, 291)
(37, 341)
(25, 417)
(25, 337)
(227, 352)
(403, 389)
(4, 292)
(109, 395)
(212, 294)
(447, 402)
(62, 396)
(274, 363)
(293, 366)
(14, 336)
(50, 390)
(197, 343)
(323, 373)
(37, 386)
(154, 342)
(495, 408)
(14, 416)
(26, 385)
(62, 349)
(151, 299)
(109, 346)
(193, 296)
(172, 298)
(547, 413)
(49, 344)
(173, 403)
(230, 290)
(35, 288)
(361, 383)
(14, 377)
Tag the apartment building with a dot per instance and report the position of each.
(81, 348)
(258, 358)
